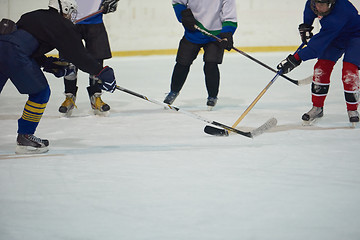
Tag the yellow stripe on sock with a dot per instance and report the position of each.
(31, 117)
(35, 107)
(33, 111)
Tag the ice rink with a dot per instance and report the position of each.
(145, 173)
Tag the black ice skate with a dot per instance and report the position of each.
(29, 144)
(312, 115)
(170, 98)
(353, 117)
(211, 102)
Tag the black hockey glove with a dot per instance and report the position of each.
(7, 26)
(56, 66)
(305, 32)
(227, 40)
(288, 64)
(109, 6)
(188, 19)
(107, 80)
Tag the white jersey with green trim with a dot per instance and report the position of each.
(87, 7)
(211, 13)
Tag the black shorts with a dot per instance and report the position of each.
(188, 51)
(96, 40)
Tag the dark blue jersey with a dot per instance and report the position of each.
(337, 28)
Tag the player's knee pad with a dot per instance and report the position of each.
(319, 89)
(41, 97)
(93, 80)
(71, 72)
(350, 78)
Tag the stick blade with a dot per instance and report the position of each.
(305, 81)
(216, 131)
(265, 127)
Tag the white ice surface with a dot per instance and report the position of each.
(145, 173)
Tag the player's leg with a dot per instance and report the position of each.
(213, 56)
(350, 78)
(97, 43)
(187, 53)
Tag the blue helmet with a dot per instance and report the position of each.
(331, 4)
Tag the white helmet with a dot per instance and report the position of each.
(66, 7)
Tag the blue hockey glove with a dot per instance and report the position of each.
(188, 19)
(227, 40)
(107, 79)
(109, 6)
(288, 64)
(55, 66)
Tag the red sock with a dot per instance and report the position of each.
(350, 78)
(321, 81)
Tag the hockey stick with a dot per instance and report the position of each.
(269, 124)
(221, 132)
(88, 16)
(301, 82)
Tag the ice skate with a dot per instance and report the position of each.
(68, 105)
(29, 144)
(311, 116)
(170, 98)
(353, 118)
(211, 102)
(98, 105)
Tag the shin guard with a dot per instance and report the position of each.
(321, 81)
(33, 111)
(179, 76)
(350, 79)
(212, 78)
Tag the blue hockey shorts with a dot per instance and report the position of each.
(17, 65)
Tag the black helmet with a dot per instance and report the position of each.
(330, 3)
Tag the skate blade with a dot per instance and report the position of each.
(30, 150)
(210, 108)
(100, 113)
(310, 122)
(67, 114)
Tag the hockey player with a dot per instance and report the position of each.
(93, 32)
(22, 56)
(217, 17)
(339, 35)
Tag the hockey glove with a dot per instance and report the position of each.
(288, 64)
(305, 32)
(56, 66)
(109, 6)
(188, 19)
(227, 40)
(107, 79)
(7, 26)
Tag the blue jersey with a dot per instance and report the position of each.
(337, 28)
